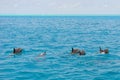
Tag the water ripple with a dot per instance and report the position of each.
(56, 36)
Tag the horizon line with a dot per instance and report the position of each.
(59, 14)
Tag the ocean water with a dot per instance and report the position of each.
(57, 35)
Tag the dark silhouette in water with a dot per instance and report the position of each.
(82, 52)
(17, 50)
(74, 51)
(78, 51)
(105, 51)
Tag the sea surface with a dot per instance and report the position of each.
(57, 35)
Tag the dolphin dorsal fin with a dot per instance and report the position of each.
(100, 48)
(72, 49)
(14, 50)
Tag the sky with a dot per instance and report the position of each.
(59, 7)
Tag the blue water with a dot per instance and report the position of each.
(57, 35)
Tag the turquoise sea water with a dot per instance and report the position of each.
(56, 36)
